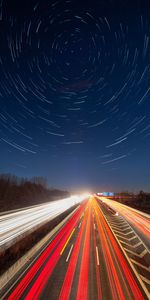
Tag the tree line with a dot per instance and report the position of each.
(140, 200)
(18, 192)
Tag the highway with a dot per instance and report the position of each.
(139, 220)
(96, 254)
(14, 224)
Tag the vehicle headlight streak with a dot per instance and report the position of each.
(133, 216)
(19, 222)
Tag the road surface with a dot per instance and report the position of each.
(96, 254)
(17, 223)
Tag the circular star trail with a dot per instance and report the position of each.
(74, 89)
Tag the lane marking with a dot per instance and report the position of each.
(97, 256)
(133, 246)
(82, 215)
(126, 238)
(141, 266)
(68, 278)
(145, 279)
(80, 225)
(138, 276)
(117, 228)
(141, 255)
(69, 253)
(131, 231)
(119, 222)
(30, 257)
(83, 280)
(135, 234)
(134, 237)
(67, 241)
(118, 225)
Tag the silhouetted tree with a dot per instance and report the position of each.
(19, 192)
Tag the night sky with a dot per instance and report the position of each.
(75, 92)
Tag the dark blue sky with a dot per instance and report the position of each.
(75, 92)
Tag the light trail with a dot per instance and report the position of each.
(139, 219)
(83, 283)
(97, 264)
(21, 222)
(68, 280)
(114, 257)
(82, 262)
(58, 242)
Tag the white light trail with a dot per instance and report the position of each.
(20, 222)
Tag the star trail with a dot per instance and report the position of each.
(75, 92)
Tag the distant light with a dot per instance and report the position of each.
(111, 194)
(105, 194)
(86, 195)
(108, 194)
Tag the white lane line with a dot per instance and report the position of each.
(79, 225)
(145, 279)
(131, 231)
(115, 228)
(30, 257)
(126, 238)
(138, 276)
(132, 238)
(136, 254)
(133, 246)
(118, 226)
(82, 215)
(141, 266)
(97, 256)
(69, 253)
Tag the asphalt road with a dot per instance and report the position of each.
(17, 223)
(97, 254)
